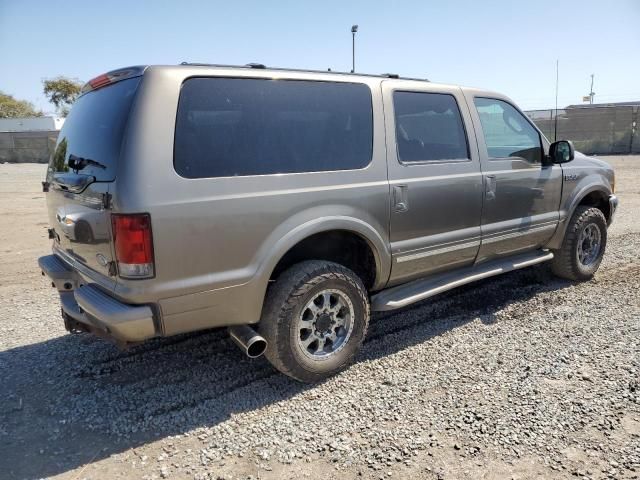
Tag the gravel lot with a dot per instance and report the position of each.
(520, 376)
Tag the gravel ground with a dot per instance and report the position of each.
(520, 376)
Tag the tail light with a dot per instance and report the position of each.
(133, 245)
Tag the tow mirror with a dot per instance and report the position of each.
(561, 151)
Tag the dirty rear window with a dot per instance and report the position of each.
(234, 127)
(93, 131)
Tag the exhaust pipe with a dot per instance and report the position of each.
(252, 344)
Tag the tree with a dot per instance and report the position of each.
(62, 92)
(13, 108)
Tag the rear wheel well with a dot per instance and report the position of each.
(339, 246)
(599, 200)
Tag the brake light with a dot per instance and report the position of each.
(133, 245)
(111, 77)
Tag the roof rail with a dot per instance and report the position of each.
(261, 66)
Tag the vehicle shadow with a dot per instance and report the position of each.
(76, 399)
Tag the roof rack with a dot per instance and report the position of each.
(261, 66)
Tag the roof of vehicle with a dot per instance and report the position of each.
(260, 66)
(128, 72)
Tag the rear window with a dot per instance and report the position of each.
(233, 127)
(429, 127)
(93, 131)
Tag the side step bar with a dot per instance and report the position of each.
(403, 295)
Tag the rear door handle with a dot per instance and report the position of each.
(401, 198)
(490, 187)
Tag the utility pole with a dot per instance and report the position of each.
(555, 125)
(354, 29)
(591, 93)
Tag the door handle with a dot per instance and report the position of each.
(401, 198)
(490, 187)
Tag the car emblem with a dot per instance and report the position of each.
(102, 260)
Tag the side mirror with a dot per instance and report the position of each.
(561, 151)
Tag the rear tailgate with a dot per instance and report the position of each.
(82, 171)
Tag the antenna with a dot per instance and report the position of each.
(555, 126)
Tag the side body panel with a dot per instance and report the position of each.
(521, 199)
(216, 240)
(435, 205)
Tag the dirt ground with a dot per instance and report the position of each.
(49, 429)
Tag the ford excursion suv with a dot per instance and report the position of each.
(287, 205)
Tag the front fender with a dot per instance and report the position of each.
(594, 182)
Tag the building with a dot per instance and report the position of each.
(29, 139)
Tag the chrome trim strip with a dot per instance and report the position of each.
(520, 233)
(437, 251)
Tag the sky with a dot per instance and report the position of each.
(506, 46)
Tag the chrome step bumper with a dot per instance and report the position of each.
(89, 305)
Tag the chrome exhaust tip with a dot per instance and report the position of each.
(252, 344)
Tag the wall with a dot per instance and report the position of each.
(27, 147)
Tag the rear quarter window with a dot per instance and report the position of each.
(238, 127)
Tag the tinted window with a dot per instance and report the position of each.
(94, 129)
(428, 127)
(227, 127)
(507, 133)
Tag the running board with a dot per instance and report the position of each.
(403, 295)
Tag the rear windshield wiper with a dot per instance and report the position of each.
(78, 163)
(72, 182)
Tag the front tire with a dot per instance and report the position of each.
(583, 246)
(314, 320)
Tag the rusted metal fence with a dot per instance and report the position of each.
(593, 129)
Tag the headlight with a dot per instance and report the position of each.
(68, 221)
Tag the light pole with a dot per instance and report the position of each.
(354, 29)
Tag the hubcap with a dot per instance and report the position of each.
(589, 244)
(325, 324)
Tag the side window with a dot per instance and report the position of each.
(507, 133)
(236, 127)
(428, 127)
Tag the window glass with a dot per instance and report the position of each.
(507, 133)
(428, 127)
(232, 127)
(94, 129)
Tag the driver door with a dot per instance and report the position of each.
(521, 192)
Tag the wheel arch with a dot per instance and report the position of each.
(343, 226)
(594, 195)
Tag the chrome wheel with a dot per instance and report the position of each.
(325, 324)
(589, 244)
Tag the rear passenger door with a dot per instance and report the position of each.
(435, 179)
(522, 191)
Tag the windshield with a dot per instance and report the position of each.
(90, 140)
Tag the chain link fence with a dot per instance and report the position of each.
(593, 130)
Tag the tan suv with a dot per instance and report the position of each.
(287, 204)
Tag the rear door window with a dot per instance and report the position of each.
(429, 127)
(92, 133)
(237, 127)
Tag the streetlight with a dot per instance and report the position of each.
(354, 29)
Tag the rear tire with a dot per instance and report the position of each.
(314, 320)
(583, 246)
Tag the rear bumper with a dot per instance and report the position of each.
(90, 306)
(613, 206)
